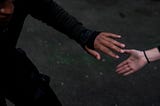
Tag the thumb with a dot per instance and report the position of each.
(93, 53)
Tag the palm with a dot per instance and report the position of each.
(135, 62)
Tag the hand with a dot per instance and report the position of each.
(105, 43)
(135, 62)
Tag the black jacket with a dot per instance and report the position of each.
(50, 13)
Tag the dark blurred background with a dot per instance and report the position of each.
(80, 80)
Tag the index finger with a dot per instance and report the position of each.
(123, 63)
(108, 52)
(112, 35)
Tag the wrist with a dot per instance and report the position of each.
(153, 54)
(143, 58)
(87, 38)
(90, 42)
(146, 57)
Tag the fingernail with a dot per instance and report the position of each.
(97, 57)
(122, 51)
(123, 45)
(117, 56)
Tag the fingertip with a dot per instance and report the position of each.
(117, 57)
(119, 36)
(123, 45)
(98, 57)
(121, 51)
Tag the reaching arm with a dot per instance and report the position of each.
(55, 16)
(51, 13)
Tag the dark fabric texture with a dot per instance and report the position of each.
(2, 101)
(24, 85)
(159, 48)
(48, 12)
(20, 80)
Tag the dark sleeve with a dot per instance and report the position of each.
(52, 14)
(159, 48)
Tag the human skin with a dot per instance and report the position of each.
(104, 42)
(6, 11)
(137, 60)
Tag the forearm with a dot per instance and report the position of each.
(153, 54)
(54, 15)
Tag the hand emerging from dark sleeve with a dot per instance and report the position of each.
(106, 43)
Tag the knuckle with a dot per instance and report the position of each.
(96, 46)
(110, 53)
(100, 48)
(113, 47)
(115, 42)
